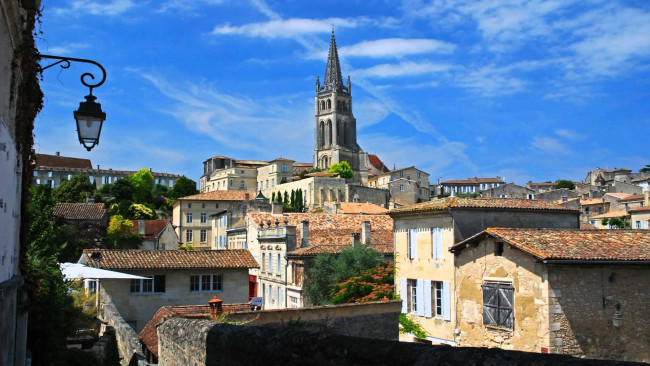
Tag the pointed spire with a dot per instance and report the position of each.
(333, 79)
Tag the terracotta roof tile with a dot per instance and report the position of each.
(333, 229)
(152, 228)
(54, 161)
(620, 196)
(238, 195)
(80, 211)
(376, 162)
(631, 198)
(615, 213)
(494, 203)
(587, 226)
(361, 208)
(639, 209)
(172, 259)
(591, 201)
(572, 244)
(474, 180)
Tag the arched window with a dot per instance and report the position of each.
(325, 164)
(329, 104)
(338, 106)
(322, 105)
(328, 133)
(321, 134)
(340, 129)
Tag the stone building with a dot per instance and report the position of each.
(540, 187)
(175, 277)
(276, 172)
(509, 190)
(555, 291)
(287, 244)
(468, 186)
(51, 170)
(556, 195)
(406, 185)
(335, 125)
(640, 217)
(191, 214)
(156, 234)
(424, 268)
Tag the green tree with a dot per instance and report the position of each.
(47, 329)
(645, 169)
(292, 201)
(273, 197)
(183, 187)
(120, 235)
(74, 190)
(622, 222)
(315, 170)
(139, 211)
(563, 183)
(370, 285)
(299, 200)
(303, 174)
(328, 270)
(142, 182)
(343, 169)
(283, 180)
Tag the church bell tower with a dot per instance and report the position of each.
(336, 128)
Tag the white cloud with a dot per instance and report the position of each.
(402, 69)
(490, 81)
(288, 28)
(396, 47)
(63, 49)
(370, 112)
(110, 8)
(549, 145)
(183, 5)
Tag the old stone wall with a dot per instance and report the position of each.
(185, 342)
(556, 194)
(371, 320)
(379, 197)
(583, 302)
(128, 344)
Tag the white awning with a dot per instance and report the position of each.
(74, 271)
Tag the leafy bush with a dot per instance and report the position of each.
(371, 285)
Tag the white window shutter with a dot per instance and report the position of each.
(439, 243)
(413, 235)
(427, 298)
(420, 297)
(403, 293)
(446, 301)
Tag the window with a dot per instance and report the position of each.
(285, 168)
(498, 249)
(638, 225)
(149, 285)
(36, 173)
(189, 205)
(531, 196)
(436, 298)
(279, 265)
(204, 236)
(436, 243)
(216, 205)
(107, 180)
(412, 296)
(419, 175)
(222, 241)
(647, 224)
(171, 182)
(92, 179)
(401, 174)
(222, 221)
(49, 174)
(412, 243)
(272, 182)
(498, 304)
(263, 262)
(204, 217)
(69, 176)
(270, 263)
(503, 196)
(188, 236)
(189, 218)
(203, 205)
(401, 188)
(207, 282)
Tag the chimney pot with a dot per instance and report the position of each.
(141, 224)
(365, 232)
(304, 233)
(58, 153)
(97, 166)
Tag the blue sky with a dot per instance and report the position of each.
(527, 90)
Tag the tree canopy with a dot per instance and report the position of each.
(74, 190)
(183, 187)
(142, 182)
(328, 270)
(343, 169)
(120, 234)
(563, 183)
(645, 169)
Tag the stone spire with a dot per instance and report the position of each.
(333, 80)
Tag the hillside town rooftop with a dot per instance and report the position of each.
(479, 203)
(169, 259)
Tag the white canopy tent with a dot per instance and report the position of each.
(77, 271)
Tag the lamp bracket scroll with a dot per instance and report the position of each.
(64, 63)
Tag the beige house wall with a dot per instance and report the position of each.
(477, 265)
(208, 207)
(140, 307)
(270, 176)
(425, 267)
(238, 178)
(643, 218)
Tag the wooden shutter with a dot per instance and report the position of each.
(427, 298)
(446, 301)
(490, 304)
(403, 293)
(436, 242)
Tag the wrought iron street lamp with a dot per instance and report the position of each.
(89, 116)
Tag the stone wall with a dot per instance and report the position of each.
(371, 320)
(556, 194)
(583, 302)
(205, 342)
(128, 344)
(378, 196)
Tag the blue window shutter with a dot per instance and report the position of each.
(438, 235)
(427, 298)
(446, 301)
(420, 297)
(413, 235)
(403, 293)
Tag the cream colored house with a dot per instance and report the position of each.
(156, 234)
(239, 178)
(273, 174)
(176, 277)
(562, 291)
(191, 214)
(640, 217)
(424, 274)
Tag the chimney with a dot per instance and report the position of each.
(304, 232)
(58, 153)
(150, 170)
(646, 198)
(247, 196)
(365, 232)
(97, 166)
(216, 307)
(141, 227)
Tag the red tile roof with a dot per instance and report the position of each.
(333, 229)
(361, 208)
(80, 211)
(470, 203)
(171, 259)
(238, 195)
(615, 213)
(376, 162)
(620, 196)
(591, 201)
(152, 228)
(474, 180)
(542, 184)
(631, 198)
(313, 250)
(572, 244)
(149, 334)
(54, 161)
(639, 209)
(587, 226)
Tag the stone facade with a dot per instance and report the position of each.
(557, 195)
(509, 190)
(271, 175)
(241, 178)
(128, 344)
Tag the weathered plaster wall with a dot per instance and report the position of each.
(140, 307)
(475, 265)
(582, 326)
